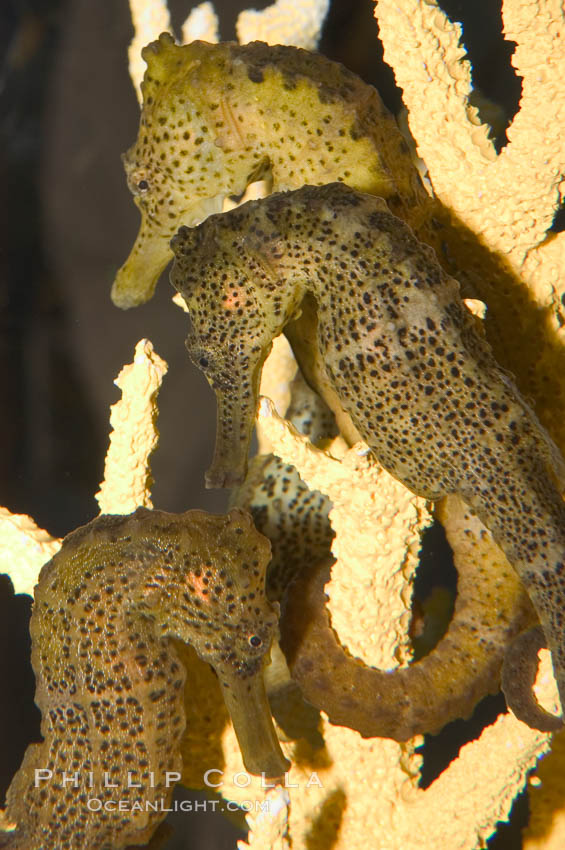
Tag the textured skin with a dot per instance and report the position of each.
(385, 337)
(109, 682)
(218, 116)
(293, 517)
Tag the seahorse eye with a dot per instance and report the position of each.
(143, 185)
(255, 640)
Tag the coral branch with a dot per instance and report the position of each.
(127, 476)
(279, 370)
(202, 23)
(24, 548)
(285, 22)
(150, 18)
(533, 161)
(378, 523)
(436, 82)
(492, 771)
(510, 199)
(546, 828)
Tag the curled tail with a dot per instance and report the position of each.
(444, 685)
(518, 676)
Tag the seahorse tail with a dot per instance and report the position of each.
(443, 686)
(518, 676)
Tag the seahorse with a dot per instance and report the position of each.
(109, 681)
(380, 331)
(216, 117)
(447, 683)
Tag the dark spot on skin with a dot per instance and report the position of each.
(255, 75)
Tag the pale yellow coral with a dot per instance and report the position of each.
(284, 22)
(149, 18)
(546, 828)
(127, 475)
(202, 23)
(378, 524)
(279, 370)
(24, 548)
(508, 199)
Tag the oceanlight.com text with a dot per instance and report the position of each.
(94, 804)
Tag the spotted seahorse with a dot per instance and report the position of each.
(380, 330)
(445, 684)
(110, 684)
(218, 116)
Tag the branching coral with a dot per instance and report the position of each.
(24, 548)
(127, 476)
(285, 22)
(507, 200)
(269, 828)
(202, 23)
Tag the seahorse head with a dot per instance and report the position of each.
(207, 588)
(217, 117)
(176, 170)
(204, 583)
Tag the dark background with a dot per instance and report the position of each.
(67, 222)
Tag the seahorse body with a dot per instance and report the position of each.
(381, 332)
(218, 116)
(446, 684)
(109, 682)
